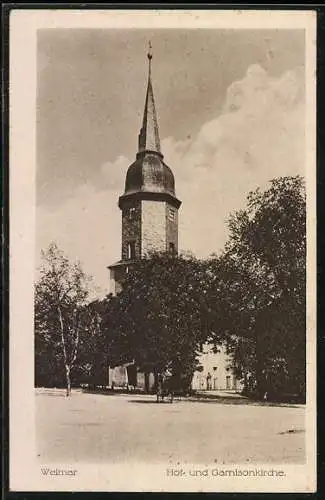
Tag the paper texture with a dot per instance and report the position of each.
(235, 102)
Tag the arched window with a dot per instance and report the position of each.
(131, 250)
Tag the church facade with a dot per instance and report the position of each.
(149, 211)
(216, 372)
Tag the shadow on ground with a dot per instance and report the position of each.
(225, 398)
(150, 401)
(237, 399)
(231, 401)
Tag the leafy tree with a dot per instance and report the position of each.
(88, 367)
(157, 318)
(60, 315)
(100, 341)
(252, 297)
(257, 296)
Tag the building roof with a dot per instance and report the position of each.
(149, 133)
(149, 173)
(121, 263)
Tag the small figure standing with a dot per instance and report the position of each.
(209, 384)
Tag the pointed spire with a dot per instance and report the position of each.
(149, 134)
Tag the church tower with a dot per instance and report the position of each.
(149, 206)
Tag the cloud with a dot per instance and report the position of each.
(112, 175)
(86, 228)
(257, 136)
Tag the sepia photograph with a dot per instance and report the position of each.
(172, 205)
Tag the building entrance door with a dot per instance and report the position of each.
(132, 375)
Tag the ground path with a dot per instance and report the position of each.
(126, 427)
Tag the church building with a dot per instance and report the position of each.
(149, 209)
(148, 205)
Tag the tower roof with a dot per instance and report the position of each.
(149, 133)
(149, 175)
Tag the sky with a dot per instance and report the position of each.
(231, 115)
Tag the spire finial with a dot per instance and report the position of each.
(149, 55)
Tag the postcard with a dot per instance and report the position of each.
(162, 250)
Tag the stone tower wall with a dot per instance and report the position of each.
(131, 228)
(116, 278)
(153, 226)
(171, 226)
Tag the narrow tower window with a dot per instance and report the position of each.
(131, 250)
(131, 213)
(171, 214)
(172, 247)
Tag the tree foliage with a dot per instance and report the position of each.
(258, 291)
(157, 318)
(252, 297)
(61, 314)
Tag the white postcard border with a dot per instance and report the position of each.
(25, 472)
